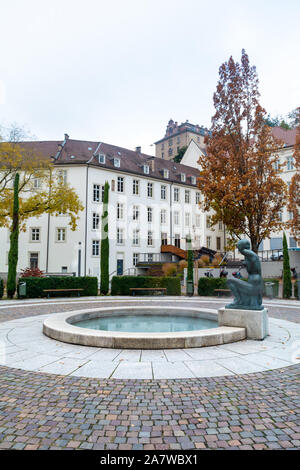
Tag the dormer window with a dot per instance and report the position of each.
(117, 162)
(166, 173)
(182, 177)
(146, 169)
(101, 158)
(193, 179)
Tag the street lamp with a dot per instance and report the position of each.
(79, 259)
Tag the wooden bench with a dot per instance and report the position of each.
(62, 290)
(163, 290)
(222, 291)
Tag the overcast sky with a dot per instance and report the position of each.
(118, 70)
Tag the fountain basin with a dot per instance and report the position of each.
(63, 327)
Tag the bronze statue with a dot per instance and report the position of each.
(247, 294)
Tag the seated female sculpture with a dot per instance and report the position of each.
(247, 295)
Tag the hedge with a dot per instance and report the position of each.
(207, 285)
(1, 288)
(120, 285)
(35, 285)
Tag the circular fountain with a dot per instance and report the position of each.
(148, 327)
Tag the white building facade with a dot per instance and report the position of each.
(151, 203)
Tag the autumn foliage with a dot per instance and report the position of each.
(41, 186)
(238, 176)
(294, 190)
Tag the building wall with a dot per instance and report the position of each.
(168, 149)
(64, 254)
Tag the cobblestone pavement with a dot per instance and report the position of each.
(255, 411)
(45, 411)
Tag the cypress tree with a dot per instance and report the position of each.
(287, 282)
(14, 239)
(104, 259)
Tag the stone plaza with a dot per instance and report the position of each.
(55, 395)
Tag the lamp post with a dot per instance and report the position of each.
(79, 259)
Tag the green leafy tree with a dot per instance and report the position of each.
(180, 153)
(104, 260)
(14, 239)
(287, 282)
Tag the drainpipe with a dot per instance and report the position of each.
(86, 215)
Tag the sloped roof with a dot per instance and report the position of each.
(83, 152)
(288, 136)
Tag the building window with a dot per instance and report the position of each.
(120, 184)
(149, 214)
(163, 216)
(219, 243)
(198, 196)
(98, 191)
(182, 177)
(150, 189)
(170, 152)
(96, 220)
(35, 235)
(208, 223)
(176, 218)
(220, 225)
(208, 242)
(187, 219)
(37, 183)
(120, 236)
(178, 140)
(176, 195)
(187, 196)
(120, 211)
(117, 162)
(150, 238)
(193, 179)
(135, 213)
(62, 176)
(290, 163)
(163, 192)
(60, 234)
(177, 240)
(136, 187)
(171, 140)
(164, 238)
(101, 158)
(136, 237)
(166, 173)
(135, 259)
(198, 220)
(33, 260)
(95, 248)
(146, 169)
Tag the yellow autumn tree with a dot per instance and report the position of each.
(42, 188)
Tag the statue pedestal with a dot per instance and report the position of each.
(255, 321)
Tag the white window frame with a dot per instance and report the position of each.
(136, 187)
(34, 231)
(150, 190)
(163, 216)
(120, 236)
(163, 192)
(120, 184)
(120, 211)
(58, 237)
(183, 177)
(117, 162)
(136, 237)
(176, 195)
(95, 221)
(101, 158)
(149, 214)
(96, 248)
(146, 169)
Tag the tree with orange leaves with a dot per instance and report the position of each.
(238, 176)
(294, 191)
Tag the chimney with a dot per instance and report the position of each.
(152, 164)
(138, 149)
(66, 137)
